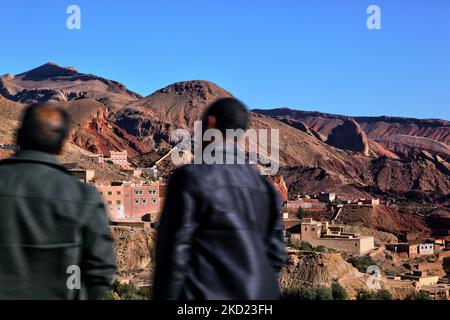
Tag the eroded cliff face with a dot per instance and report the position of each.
(349, 136)
(93, 131)
(134, 249)
(313, 268)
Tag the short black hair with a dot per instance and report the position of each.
(230, 113)
(45, 127)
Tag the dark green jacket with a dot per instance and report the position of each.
(51, 226)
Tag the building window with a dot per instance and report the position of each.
(136, 201)
(356, 244)
(144, 201)
(138, 192)
(152, 191)
(118, 202)
(313, 229)
(154, 200)
(110, 202)
(119, 193)
(109, 193)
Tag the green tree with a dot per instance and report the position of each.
(306, 246)
(321, 249)
(383, 294)
(421, 295)
(364, 295)
(338, 292)
(361, 263)
(301, 213)
(308, 293)
(323, 293)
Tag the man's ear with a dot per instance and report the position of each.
(211, 122)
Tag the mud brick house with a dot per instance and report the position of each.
(321, 234)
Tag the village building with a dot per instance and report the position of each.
(327, 197)
(365, 202)
(305, 203)
(96, 158)
(120, 158)
(420, 279)
(437, 292)
(124, 200)
(321, 234)
(83, 175)
(412, 249)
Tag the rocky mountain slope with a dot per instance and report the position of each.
(400, 135)
(178, 105)
(305, 268)
(107, 116)
(349, 136)
(51, 82)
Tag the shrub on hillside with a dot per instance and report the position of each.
(382, 294)
(338, 292)
(308, 293)
(127, 291)
(361, 263)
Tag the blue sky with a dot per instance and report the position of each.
(303, 54)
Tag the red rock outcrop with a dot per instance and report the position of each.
(281, 187)
(349, 136)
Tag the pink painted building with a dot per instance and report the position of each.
(131, 201)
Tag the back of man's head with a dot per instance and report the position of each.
(226, 113)
(45, 127)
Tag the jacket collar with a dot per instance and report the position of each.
(33, 156)
(230, 151)
(38, 156)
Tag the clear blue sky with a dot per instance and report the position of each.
(303, 54)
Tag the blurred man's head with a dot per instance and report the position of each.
(226, 113)
(45, 128)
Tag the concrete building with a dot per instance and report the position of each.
(420, 279)
(327, 197)
(305, 203)
(321, 234)
(426, 249)
(367, 202)
(96, 158)
(372, 202)
(83, 175)
(131, 201)
(120, 158)
(412, 249)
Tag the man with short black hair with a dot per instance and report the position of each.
(220, 235)
(54, 235)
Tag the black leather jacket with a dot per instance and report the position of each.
(50, 221)
(220, 235)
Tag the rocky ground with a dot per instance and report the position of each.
(134, 249)
(314, 268)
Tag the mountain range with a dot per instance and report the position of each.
(353, 156)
